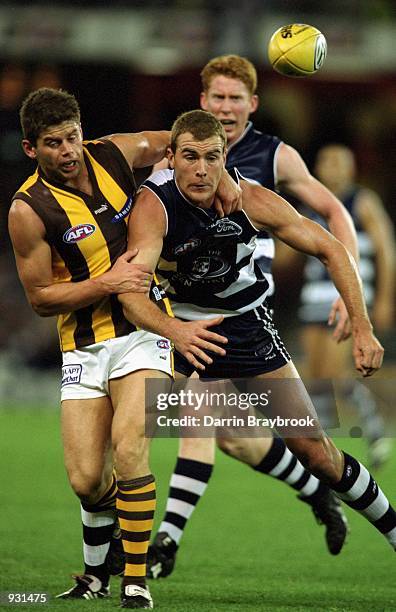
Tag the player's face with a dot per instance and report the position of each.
(58, 151)
(231, 103)
(335, 167)
(198, 167)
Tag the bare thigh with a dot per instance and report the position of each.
(86, 435)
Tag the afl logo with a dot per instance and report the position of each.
(190, 245)
(78, 232)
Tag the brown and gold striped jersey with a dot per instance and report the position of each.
(87, 234)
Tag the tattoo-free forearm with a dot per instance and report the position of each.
(61, 298)
(142, 312)
(343, 271)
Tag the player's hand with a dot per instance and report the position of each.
(367, 351)
(339, 317)
(193, 338)
(126, 277)
(228, 197)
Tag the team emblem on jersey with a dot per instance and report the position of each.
(209, 267)
(225, 227)
(78, 232)
(190, 245)
(124, 212)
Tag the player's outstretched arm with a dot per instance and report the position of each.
(146, 230)
(143, 148)
(34, 263)
(268, 210)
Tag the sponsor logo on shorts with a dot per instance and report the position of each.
(71, 374)
(163, 343)
(78, 232)
(266, 351)
(124, 212)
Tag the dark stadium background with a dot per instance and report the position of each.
(142, 79)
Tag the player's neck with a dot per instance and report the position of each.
(82, 181)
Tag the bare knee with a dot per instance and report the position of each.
(88, 486)
(248, 450)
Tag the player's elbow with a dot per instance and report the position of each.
(332, 251)
(41, 306)
(41, 309)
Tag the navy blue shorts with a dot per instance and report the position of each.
(254, 347)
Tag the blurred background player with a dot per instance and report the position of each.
(335, 167)
(229, 86)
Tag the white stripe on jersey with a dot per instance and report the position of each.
(266, 247)
(192, 312)
(245, 279)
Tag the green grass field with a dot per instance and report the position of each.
(250, 545)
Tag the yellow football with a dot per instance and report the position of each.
(297, 50)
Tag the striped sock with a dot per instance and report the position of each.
(135, 509)
(281, 464)
(358, 489)
(98, 525)
(187, 485)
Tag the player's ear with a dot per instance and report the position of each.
(170, 155)
(254, 102)
(29, 149)
(203, 101)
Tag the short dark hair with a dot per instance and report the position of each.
(233, 67)
(44, 108)
(200, 124)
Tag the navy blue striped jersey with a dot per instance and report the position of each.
(254, 154)
(318, 292)
(207, 264)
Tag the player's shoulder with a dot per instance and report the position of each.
(264, 136)
(26, 186)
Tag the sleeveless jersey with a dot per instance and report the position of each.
(86, 234)
(254, 154)
(206, 265)
(318, 292)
